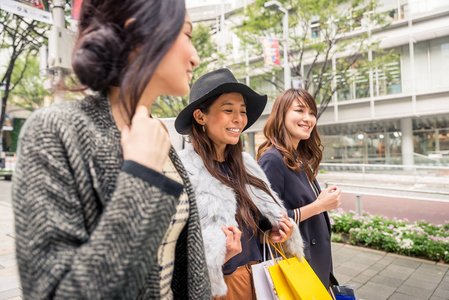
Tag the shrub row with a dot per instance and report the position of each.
(420, 239)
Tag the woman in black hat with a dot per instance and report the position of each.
(233, 194)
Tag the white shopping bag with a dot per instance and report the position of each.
(263, 284)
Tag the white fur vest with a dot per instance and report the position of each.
(217, 206)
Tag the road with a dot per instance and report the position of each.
(414, 210)
(411, 209)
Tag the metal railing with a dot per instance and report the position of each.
(426, 195)
(364, 167)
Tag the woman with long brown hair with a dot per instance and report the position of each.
(290, 158)
(103, 206)
(235, 202)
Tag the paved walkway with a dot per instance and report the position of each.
(9, 278)
(378, 275)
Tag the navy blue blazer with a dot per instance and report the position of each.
(294, 189)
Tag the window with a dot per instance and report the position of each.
(315, 29)
(354, 82)
(361, 81)
(324, 82)
(388, 78)
(357, 21)
(439, 62)
(398, 14)
(344, 84)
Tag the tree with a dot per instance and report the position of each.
(18, 37)
(30, 93)
(329, 41)
(168, 106)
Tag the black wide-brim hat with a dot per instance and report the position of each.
(216, 83)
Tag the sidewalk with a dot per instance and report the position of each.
(9, 278)
(378, 275)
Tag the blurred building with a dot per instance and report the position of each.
(398, 114)
(401, 114)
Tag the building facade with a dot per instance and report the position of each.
(395, 114)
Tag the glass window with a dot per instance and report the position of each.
(422, 75)
(357, 21)
(439, 62)
(443, 138)
(424, 142)
(353, 83)
(361, 80)
(388, 78)
(324, 82)
(345, 91)
(315, 28)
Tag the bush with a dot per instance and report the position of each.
(420, 239)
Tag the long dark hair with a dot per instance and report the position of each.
(247, 212)
(310, 151)
(101, 53)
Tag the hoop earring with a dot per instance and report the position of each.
(204, 129)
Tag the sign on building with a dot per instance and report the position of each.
(38, 10)
(271, 51)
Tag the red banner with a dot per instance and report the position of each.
(271, 51)
(76, 9)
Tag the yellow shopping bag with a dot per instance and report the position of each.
(295, 279)
(283, 290)
(302, 280)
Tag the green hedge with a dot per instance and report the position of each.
(420, 239)
(17, 125)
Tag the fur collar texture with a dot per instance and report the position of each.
(217, 206)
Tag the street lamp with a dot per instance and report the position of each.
(287, 73)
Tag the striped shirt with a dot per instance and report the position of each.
(166, 252)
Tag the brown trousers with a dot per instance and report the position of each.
(240, 284)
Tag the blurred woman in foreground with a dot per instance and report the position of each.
(103, 206)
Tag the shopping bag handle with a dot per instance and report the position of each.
(265, 233)
(275, 247)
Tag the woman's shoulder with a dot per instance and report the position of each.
(248, 160)
(271, 155)
(51, 118)
(191, 160)
(54, 117)
(66, 121)
(252, 166)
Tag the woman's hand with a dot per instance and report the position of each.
(283, 232)
(147, 141)
(329, 199)
(233, 243)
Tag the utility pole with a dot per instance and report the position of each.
(223, 27)
(55, 60)
(59, 76)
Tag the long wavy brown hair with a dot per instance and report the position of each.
(309, 152)
(247, 212)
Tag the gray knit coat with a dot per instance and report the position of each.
(88, 225)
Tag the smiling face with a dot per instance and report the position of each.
(300, 120)
(225, 121)
(174, 72)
